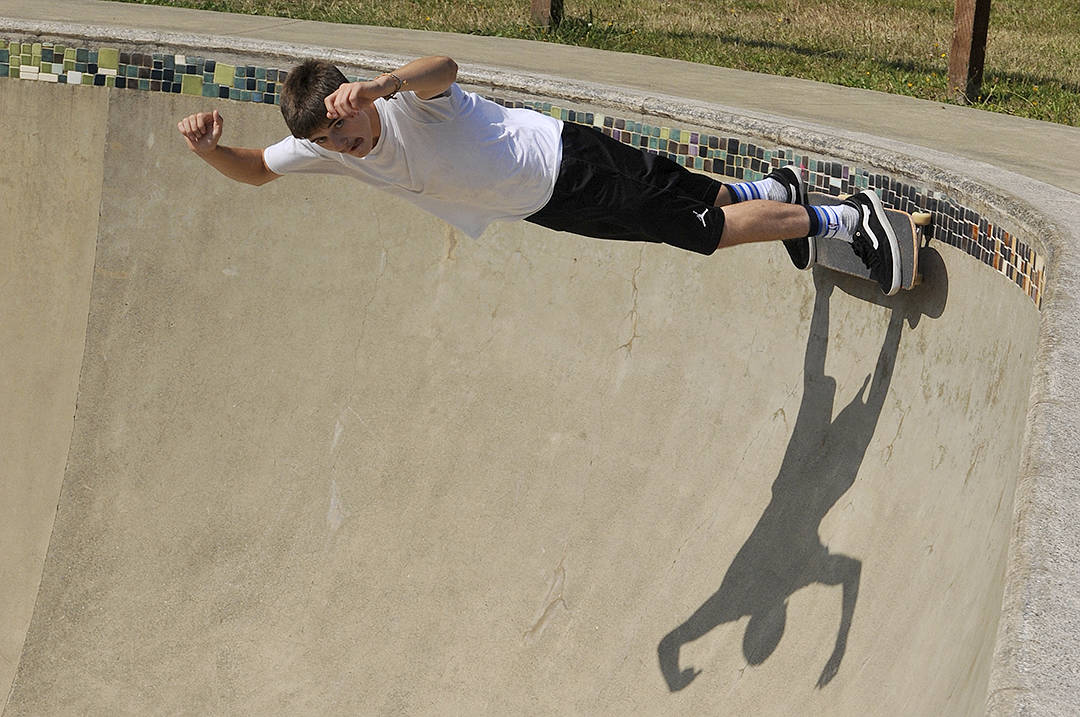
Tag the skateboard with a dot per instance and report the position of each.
(910, 230)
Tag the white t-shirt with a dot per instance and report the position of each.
(460, 157)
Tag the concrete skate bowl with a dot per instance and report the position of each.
(303, 450)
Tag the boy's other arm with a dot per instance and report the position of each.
(427, 77)
(202, 132)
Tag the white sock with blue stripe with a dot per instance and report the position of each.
(833, 221)
(767, 188)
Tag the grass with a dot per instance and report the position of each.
(896, 46)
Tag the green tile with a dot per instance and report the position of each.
(70, 54)
(13, 71)
(209, 89)
(191, 85)
(224, 74)
(108, 58)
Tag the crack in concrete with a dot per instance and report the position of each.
(633, 315)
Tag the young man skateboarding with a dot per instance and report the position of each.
(416, 134)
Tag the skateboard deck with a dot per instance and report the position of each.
(837, 255)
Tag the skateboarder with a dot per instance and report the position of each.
(416, 134)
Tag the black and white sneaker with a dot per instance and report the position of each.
(802, 251)
(874, 241)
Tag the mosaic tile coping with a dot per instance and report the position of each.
(727, 157)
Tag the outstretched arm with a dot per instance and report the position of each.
(427, 77)
(846, 571)
(203, 131)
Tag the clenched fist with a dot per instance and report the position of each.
(202, 131)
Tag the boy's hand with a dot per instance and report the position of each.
(347, 99)
(202, 131)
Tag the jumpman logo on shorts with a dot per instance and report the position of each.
(701, 217)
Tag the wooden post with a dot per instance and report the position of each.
(971, 22)
(547, 13)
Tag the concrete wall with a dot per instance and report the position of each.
(50, 186)
(332, 456)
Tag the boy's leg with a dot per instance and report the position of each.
(608, 190)
(860, 221)
(782, 185)
(763, 220)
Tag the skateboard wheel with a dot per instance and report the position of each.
(921, 219)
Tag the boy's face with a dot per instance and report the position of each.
(354, 136)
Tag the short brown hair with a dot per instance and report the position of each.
(303, 94)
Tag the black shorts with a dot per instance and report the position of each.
(609, 190)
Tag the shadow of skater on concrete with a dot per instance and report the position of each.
(784, 553)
